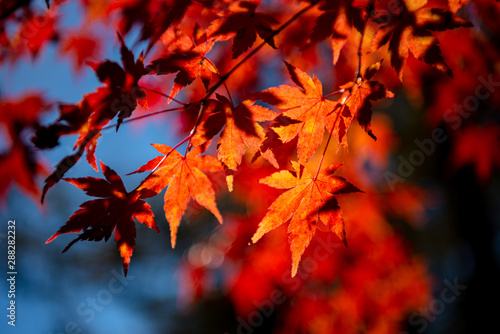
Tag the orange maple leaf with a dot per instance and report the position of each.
(186, 58)
(185, 179)
(410, 31)
(114, 211)
(310, 108)
(240, 132)
(309, 202)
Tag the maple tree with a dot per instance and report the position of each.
(277, 138)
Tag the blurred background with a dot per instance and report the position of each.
(424, 241)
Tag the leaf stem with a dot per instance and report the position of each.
(193, 131)
(229, 95)
(340, 91)
(330, 135)
(369, 11)
(144, 116)
(163, 94)
(163, 159)
(358, 73)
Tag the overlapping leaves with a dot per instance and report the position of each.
(307, 105)
(240, 132)
(306, 113)
(119, 97)
(409, 31)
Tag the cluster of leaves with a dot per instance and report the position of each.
(370, 286)
(208, 49)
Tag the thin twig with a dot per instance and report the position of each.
(144, 116)
(163, 94)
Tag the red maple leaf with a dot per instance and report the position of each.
(34, 36)
(19, 166)
(185, 179)
(115, 210)
(410, 31)
(245, 24)
(81, 46)
(21, 113)
(18, 163)
(121, 94)
(309, 202)
(338, 21)
(165, 15)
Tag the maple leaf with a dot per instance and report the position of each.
(18, 163)
(89, 143)
(21, 113)
(152, 16)
(185, 179)
(81, 46)
(240, 132)
(358, 96)
(169, 13)
(186, 58)
(19, 166)
(121, 94)
(309, 202)
(119, 97)
(34, 39)
(410, 31)
(115, 210)
(307, 105)
(338, 21)
(246, 23)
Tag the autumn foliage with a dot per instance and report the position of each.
(275, 104)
